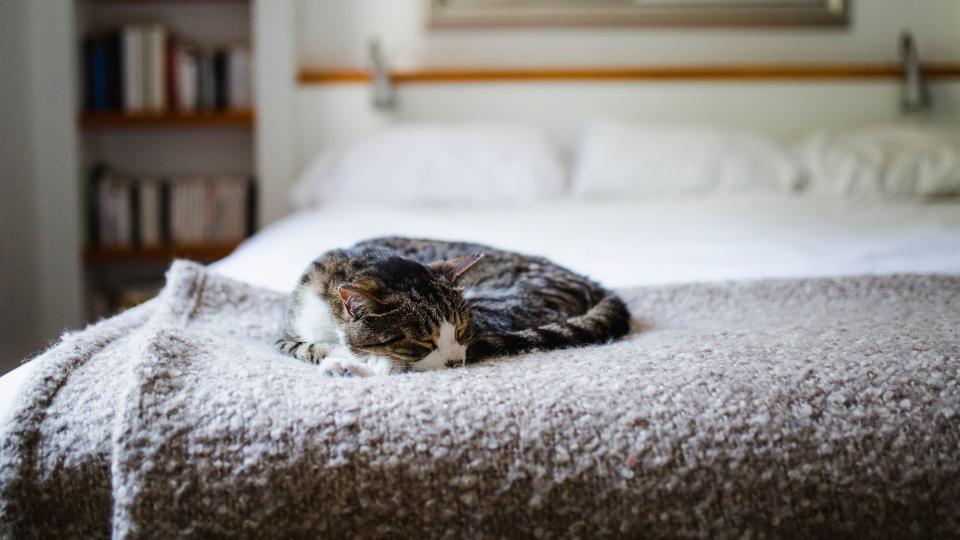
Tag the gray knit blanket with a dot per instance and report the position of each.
(785, 408)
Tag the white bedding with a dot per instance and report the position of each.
(639, 243)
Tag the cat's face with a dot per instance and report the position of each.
(410, 312)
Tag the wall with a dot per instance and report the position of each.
(18, 284)
(335, 32)
(40, 279)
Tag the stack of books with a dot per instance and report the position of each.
(186, 210)
(140, 69)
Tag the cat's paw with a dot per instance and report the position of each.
(334, 367)
(312, 352)
(301, 350)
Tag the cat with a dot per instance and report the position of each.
(391, 305)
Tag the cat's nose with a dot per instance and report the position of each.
(454, 362)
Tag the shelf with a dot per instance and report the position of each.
(175, 2)
(200, 253)
(226, 119)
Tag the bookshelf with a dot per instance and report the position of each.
(105, 121)
(160, 132)
(200, 253)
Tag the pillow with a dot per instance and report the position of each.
(648, 160)
(882, 162)
(479, 163)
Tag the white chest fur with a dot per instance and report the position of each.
(314, 323)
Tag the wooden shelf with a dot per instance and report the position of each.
(813, 72)
(201, 253)
(226, 119)
(168, 1)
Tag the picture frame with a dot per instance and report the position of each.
(507, 13)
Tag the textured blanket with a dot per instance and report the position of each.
(827, 407)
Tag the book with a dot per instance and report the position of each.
(170, 74)
(239, 78)
(220, 84)
(154, 68)
(115, 211)
(143, 68)
(186, 210)
(227, 215)
(206, 81)
(179, 210)
(99, 75)
(150, 205)
(187, 79)
(133, 87)
(113, 45)
(95, 174)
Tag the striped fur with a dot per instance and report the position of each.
(390, 297)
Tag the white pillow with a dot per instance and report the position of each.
(882, 162)
(481, 163)
(648, 160)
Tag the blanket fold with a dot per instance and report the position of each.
(783, 408)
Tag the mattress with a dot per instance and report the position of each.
(631, 243)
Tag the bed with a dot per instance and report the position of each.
(635, 243)
(791, 371)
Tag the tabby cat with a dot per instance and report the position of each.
(390, 305)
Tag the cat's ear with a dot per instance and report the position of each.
(455, 267)
(358, 299)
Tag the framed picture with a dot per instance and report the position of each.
(477, 13)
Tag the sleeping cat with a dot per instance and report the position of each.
(390, 305)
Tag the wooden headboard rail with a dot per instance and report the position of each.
(809, 72)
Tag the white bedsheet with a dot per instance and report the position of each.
(640, 243)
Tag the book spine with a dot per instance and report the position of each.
(114, 49)
(166, 235)
(105, 211)
(207, 85)
(171, 74)
(123, 200)
(175, 219)
(150, 222)
(100, 78)
(115, 212)
(239, 80)
(188, 79)
(213, 219)
(155, 69)
(134, 201)
(238, 207)
(93, 204)
(199, 213)
(132, 69)
(220, 84)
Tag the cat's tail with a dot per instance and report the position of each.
(607, 320)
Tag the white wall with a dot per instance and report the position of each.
(18, 285)
(334, 33)
(40, 276)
